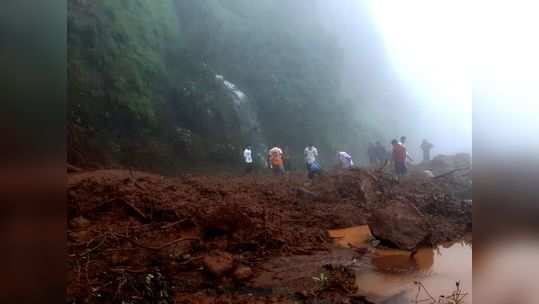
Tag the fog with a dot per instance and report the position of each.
(411, 54)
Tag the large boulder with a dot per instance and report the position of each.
(445, 163)
(399, 224)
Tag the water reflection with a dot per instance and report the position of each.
(388, 274)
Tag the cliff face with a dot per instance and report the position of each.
(177, 83)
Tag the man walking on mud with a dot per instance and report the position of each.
(248, 158)
(275, 160)
(399, 157)
(371, 152)
(426, 146)
(311, 153)
(380, 152)
(345, 160)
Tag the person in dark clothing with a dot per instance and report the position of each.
(286, 159)
(371, 152)
(426, 146)
(403, 140)
(381, 153)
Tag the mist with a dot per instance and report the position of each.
(411, 54)
(356, 72)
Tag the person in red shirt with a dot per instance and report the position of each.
(399, 157)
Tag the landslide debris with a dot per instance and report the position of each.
(202, 235)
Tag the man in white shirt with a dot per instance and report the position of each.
(345, 160)
(311, 153)
(248, 158)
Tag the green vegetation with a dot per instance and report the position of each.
(143, 93)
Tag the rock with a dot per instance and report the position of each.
(80, 236)
(304, 193)
(445, 163)
(219, 263)
(79, 222)
(116, 258)
(428, 174)
(399, 224)
(243, 273)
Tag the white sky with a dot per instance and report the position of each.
(428, 45)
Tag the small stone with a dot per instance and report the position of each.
(117, 259)
(243, 273)
(219, 263)
(79, 222)
(80, 236)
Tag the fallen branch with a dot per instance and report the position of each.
(94, 248)
(173, 224)
(129, 270)
(71, 168)
(129, 205)
(135, 209)
(160, 246)
(456, 297)
(451, 172)
(140, 187)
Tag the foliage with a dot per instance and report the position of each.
(322, 281)
(139, 70)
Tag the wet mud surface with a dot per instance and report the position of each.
(135, 237)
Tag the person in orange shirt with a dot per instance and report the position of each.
(399, 157)
(275, 157)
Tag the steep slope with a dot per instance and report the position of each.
(145, 84)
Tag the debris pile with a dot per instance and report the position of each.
(199, 236)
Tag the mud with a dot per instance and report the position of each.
(142, 238)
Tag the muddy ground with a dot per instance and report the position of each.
(135, 237)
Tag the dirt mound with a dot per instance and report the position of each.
(124, 226)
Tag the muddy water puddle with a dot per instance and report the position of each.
(388, 275)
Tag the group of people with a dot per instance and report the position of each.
(277, 160)
(400, 154)
(377, 153)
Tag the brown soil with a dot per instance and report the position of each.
(142, 238)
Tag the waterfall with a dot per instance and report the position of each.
(244, 109)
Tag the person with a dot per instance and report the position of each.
(345, 160)
(248, 158)
(399, 157)
(426, 147)
(275, 160)
(381, 153)
(403, 143)
(286, 159)
(371, 152)
(314, 169)
(311, 153)
(403, 140)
